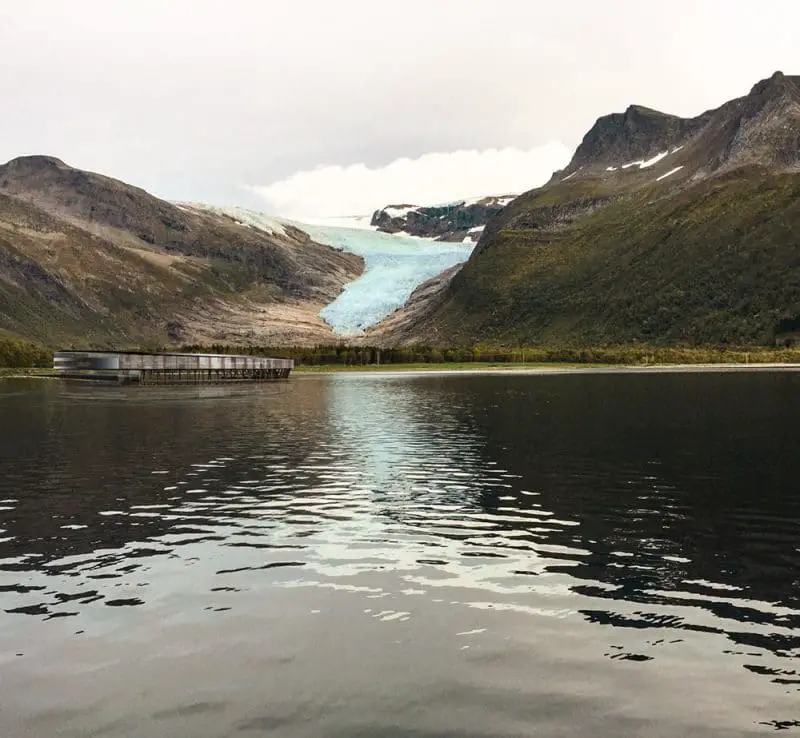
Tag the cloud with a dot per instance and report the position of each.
(436, 177)
(192, 98)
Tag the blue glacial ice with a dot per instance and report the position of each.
(394, 265)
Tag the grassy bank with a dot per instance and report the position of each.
(603, 261)
(17, 354)
(11, 372)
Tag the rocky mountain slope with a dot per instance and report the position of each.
(89, 259)
(462, 221)
(661, 230)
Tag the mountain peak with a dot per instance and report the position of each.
(760, 128)
(34, 162)
(777, 84)
(635, 110)
(638, 133)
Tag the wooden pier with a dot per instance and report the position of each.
(138, 367)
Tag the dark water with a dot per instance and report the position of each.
(570, 555)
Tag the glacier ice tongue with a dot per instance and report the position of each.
(394, 266)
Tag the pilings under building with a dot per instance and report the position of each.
(138, 367)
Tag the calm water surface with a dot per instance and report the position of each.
(396, 555)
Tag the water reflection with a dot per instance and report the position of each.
(629, 520)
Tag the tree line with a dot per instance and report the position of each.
(343, 354)
(16, 353)
(23, 354)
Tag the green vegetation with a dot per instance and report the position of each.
(15, 354)
(25, 372)
(714, 263)
(427, 356)
(415, 367)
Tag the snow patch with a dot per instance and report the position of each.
(671, 171)
(450, 204)
(399, 212)
(569, 176)
(501, 201)
(476, 229)
(614, 169)
(242, 216)
(644, 163)
(488, 199)
(657, 158)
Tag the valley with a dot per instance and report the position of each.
(661, 231)
(420, 370)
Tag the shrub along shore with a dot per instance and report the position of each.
(22, 354)
(366, 356)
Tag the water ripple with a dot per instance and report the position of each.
(442, 501)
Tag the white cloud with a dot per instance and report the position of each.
(200, 96)
(437, 177)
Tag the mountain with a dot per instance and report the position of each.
(462, 221)
(85, 258)
(661, 229)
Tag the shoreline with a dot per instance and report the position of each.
(542, 368)
(530, 368)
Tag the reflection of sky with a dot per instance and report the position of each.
(428, 481)
(402, 438)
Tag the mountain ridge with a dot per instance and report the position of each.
(661, 229)
(642, 133)
(85, 257)
(601, 253)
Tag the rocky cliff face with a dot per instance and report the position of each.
(760, 128)
(461, 221)
(85, 257)
(660, 229)
(638, 134)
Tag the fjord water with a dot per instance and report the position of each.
(402, 555)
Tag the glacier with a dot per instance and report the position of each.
(243, 216)
(394, 266)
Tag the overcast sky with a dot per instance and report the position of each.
(321, 107)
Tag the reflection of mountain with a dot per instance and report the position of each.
(657, 505)
(683, 488)
(663, 505)
(103, 461)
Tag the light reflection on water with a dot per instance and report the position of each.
(351, 555)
